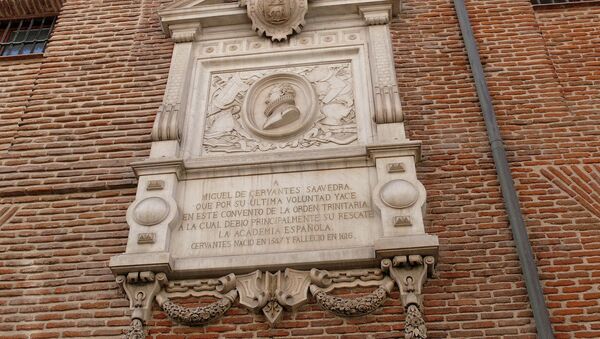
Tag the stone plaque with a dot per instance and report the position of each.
(290, 212)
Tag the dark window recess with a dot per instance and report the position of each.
(558, 2)
(25, 36)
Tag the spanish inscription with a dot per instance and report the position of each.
(284, 215)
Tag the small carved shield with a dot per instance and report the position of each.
(277, 19)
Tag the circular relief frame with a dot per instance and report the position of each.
(254, 105)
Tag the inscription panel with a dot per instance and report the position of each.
(276, 213)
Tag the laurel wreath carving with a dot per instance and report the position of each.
(199, 315)
(351, 307)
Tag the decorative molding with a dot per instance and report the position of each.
(276, 19)
(376, 15)
(414, 327)
(135, 330)
(201, 287)
(253, 45)
(383, 72)
(166, 126)
(146, 238)
(185, 32)
(273, 292)
(410, 273)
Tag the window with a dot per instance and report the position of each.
(25, 36)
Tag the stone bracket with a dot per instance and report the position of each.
(141, 289)
(410, 274)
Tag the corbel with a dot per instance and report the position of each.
(141, 289)
(410, 274)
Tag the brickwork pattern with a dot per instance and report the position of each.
(72, 122)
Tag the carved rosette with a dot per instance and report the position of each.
(277, 19)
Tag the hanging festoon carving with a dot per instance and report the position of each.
(276, 19)
(324, 281)
(223, 289)
(410, 273)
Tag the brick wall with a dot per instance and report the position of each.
(72, 122)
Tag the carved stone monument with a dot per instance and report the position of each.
(277, 157)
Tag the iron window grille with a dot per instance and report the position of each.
(25, 36)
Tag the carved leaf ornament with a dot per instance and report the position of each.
(272, 293)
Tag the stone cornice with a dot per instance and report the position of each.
(226, 14)
(11, 9)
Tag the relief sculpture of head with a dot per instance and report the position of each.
(281, 107)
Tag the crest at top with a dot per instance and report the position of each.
(277, 19)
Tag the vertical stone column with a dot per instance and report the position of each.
(388, 110)
(166, 131)
(154, 213)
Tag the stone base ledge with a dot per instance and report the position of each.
(140, 262)
(423, 244)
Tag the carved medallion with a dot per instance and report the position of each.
(280, 105)
(277, 109)
(277, 19)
